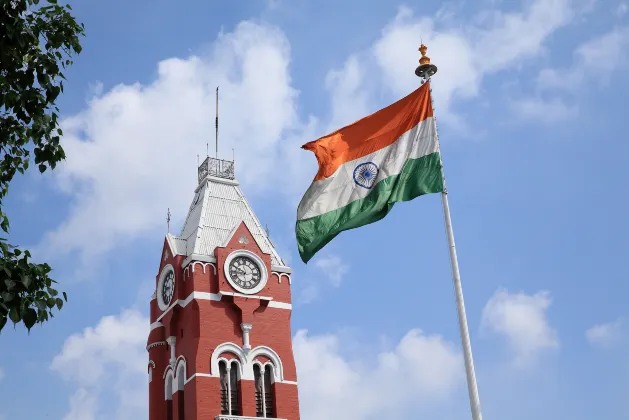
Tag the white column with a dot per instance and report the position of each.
(246, 328)
(229, 389)
(171, 342)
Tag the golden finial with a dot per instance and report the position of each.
(423, 59)
(425, 69)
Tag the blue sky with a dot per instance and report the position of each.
(529, 98)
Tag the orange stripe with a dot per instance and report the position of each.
(371, 133)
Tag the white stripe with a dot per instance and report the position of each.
(280, 305)
(216, 297)
(209, 375)
(339, 189)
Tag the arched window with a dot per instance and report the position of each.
(169, 396)
(230, 387)
(181, 381)
(265, 399)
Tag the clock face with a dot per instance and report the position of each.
(168, 287)
(245, 272)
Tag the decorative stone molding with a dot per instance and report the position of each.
(247, 360)
(157, 343)
(246, 328)
(171, 342)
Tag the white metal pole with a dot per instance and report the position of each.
(472, 387)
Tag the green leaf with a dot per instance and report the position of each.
(26, 280)
(7, 297)
(10, 284)
(30, 318)
(59, 303)
(50, 303)
(14, 314)
(65, 296)
(42, 169)
(40, 304)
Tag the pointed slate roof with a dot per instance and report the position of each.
(216, 211)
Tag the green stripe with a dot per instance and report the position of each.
(418, 177)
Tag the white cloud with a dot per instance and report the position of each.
(421, 371)
(349, 98)
(595, 60)
(109, 358)
(333, 267)
(621, 10)
(466, 51)
(552, 110)
(132, 151)
(606, 335)
(522, 320)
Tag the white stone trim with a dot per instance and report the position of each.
(180, 368)
(198, 257)
(209, 375)
(160, 283)
(227, 348)
(155, 344)
(247, 360)
(212, 259)
(155, 325)
(203, 265)
(151, 364)
(173, 249)
(245, 296)
(280, 305)
(246, 329)
(278, 368)
(217, 298)
(280, 275)
(282, 269)
(169, 379)
(172, 340)
(264, 276)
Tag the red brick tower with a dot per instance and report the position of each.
(220, 342)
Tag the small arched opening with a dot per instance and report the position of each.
(265, 395)
(229, 372)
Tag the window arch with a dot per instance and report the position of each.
(181, 381)
(229, 372)
(168, 390)
(265, 396)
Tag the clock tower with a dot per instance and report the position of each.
(220, 338)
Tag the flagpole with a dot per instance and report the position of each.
(425, 71)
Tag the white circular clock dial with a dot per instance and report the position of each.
(168, 287)
(245, 272)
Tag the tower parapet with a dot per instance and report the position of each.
(219, 168)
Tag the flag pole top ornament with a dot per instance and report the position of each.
(425, 70)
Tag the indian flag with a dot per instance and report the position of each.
(367, 167)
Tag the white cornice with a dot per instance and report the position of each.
(198, 257)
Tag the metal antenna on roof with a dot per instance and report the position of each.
(216, 122)
(168, 220)
(268, 232)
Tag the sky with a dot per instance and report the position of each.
(524, 91)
